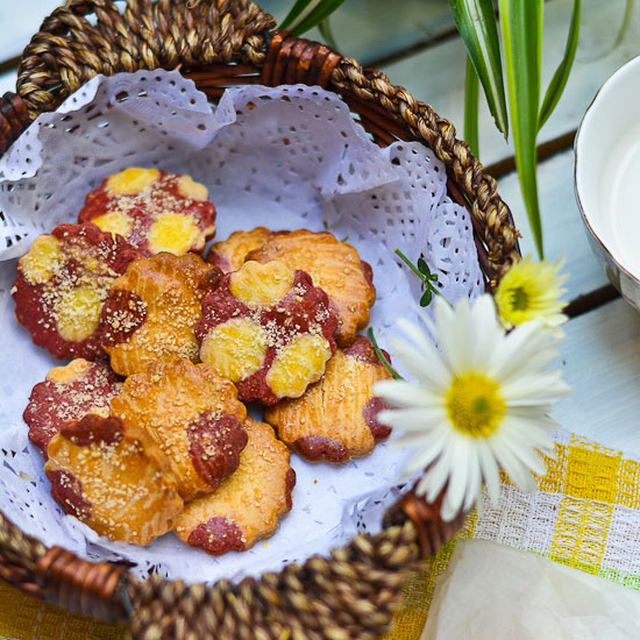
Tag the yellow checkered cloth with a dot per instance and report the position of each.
(586, 514)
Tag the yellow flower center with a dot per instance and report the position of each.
(475, 405)
(519, 299)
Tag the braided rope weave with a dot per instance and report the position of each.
(219, 43)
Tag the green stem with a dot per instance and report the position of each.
(327, 34)
(409, 264)
(423, 277)
(387, 365)
(626, 21)
(471, 96)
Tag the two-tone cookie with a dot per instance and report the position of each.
(268, 329)
(69, 393)
(334, 266)
(194, 417)
(248, 505)
(62, 284)
(150, 312)
(117, 483)
(337, 417)
(153, 210)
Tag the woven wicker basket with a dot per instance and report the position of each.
(219, 43)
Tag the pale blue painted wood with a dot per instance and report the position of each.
(600, 358)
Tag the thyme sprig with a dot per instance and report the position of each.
(427, 278)
(385, 361)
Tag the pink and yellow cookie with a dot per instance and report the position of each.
(117, 483)
(69, 393)
(268, 329)
(194, 417)
(333, 266)
(249, 504)
(154, 210)
(337, 417)
(151, 311)
(62, 284)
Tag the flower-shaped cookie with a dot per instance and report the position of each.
(69, 393)
(333, 266)
(194, 417)
(248, 505)
(229, 254)
(152, 309)
(118, 483)
(268, 329)
(154, 210)
(337, 417)
(62, 284)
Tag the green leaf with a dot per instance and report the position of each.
(427, 296)
(626, 22)
(476, 22)
(423, 267)
(521, 24)
(299, 9)
(471, 91)
(327, 34)
(561, 75)
(306, 14)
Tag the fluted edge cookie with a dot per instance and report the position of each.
(194, 417)
(268, 329)
(334, 266)
(153, 210)
(69, 393)
(249, 504)
(62, 284)
(336, 418)
(117, 483)
(151, 310)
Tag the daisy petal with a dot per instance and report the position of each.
(517, 472)
(490, 471)
(459, 479)
(420, 419)
(400, 393)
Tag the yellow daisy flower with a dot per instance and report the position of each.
(531, 291)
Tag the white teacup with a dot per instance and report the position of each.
(607, 178)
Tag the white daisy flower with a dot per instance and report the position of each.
(478, 404)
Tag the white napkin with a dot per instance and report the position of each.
(492, 592)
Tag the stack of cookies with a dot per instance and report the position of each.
(146, 430)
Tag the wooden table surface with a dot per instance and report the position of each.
(416, 44)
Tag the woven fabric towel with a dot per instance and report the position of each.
(586, 514)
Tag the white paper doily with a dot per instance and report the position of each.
(285, 157)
